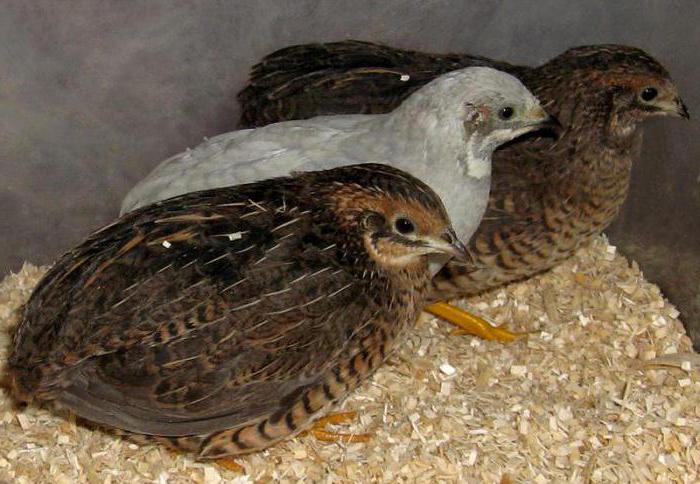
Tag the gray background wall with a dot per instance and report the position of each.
(93, 93)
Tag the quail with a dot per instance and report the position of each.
(549, 195)
(223, 321)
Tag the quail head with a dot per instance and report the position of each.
(444, 134)
(223, 321)
(548, 196)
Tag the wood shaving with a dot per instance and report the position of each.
(598, 392)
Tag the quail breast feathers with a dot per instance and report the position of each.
(223, 321)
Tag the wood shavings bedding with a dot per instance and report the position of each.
(604, 389)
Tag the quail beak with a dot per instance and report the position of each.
(681, 109)
(444, 249)
(538, 119)
(673, 107)
(449, 245)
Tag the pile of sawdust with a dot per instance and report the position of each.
(577, 401)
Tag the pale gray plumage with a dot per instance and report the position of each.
(444, 134)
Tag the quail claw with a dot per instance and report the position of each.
(318, 429)
(326, 436)
(335, 418)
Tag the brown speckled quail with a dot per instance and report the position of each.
(548, 197)
(224, 321)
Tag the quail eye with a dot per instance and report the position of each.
(648, 93)
(506, 112)
(404, 226)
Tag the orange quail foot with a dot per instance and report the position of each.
(548, 196)
(319, 429)
(224, 321)
(470, 324)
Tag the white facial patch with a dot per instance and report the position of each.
(478, 168)
(472, 162)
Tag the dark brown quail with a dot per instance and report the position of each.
(548, 196)
(223, 321)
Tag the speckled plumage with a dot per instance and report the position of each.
(223, 321)
(443, 134)
(548, 196)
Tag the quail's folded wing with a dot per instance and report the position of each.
(194, 321)
(341, 78)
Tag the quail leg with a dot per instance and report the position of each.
(470, 324)
(318, 429)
